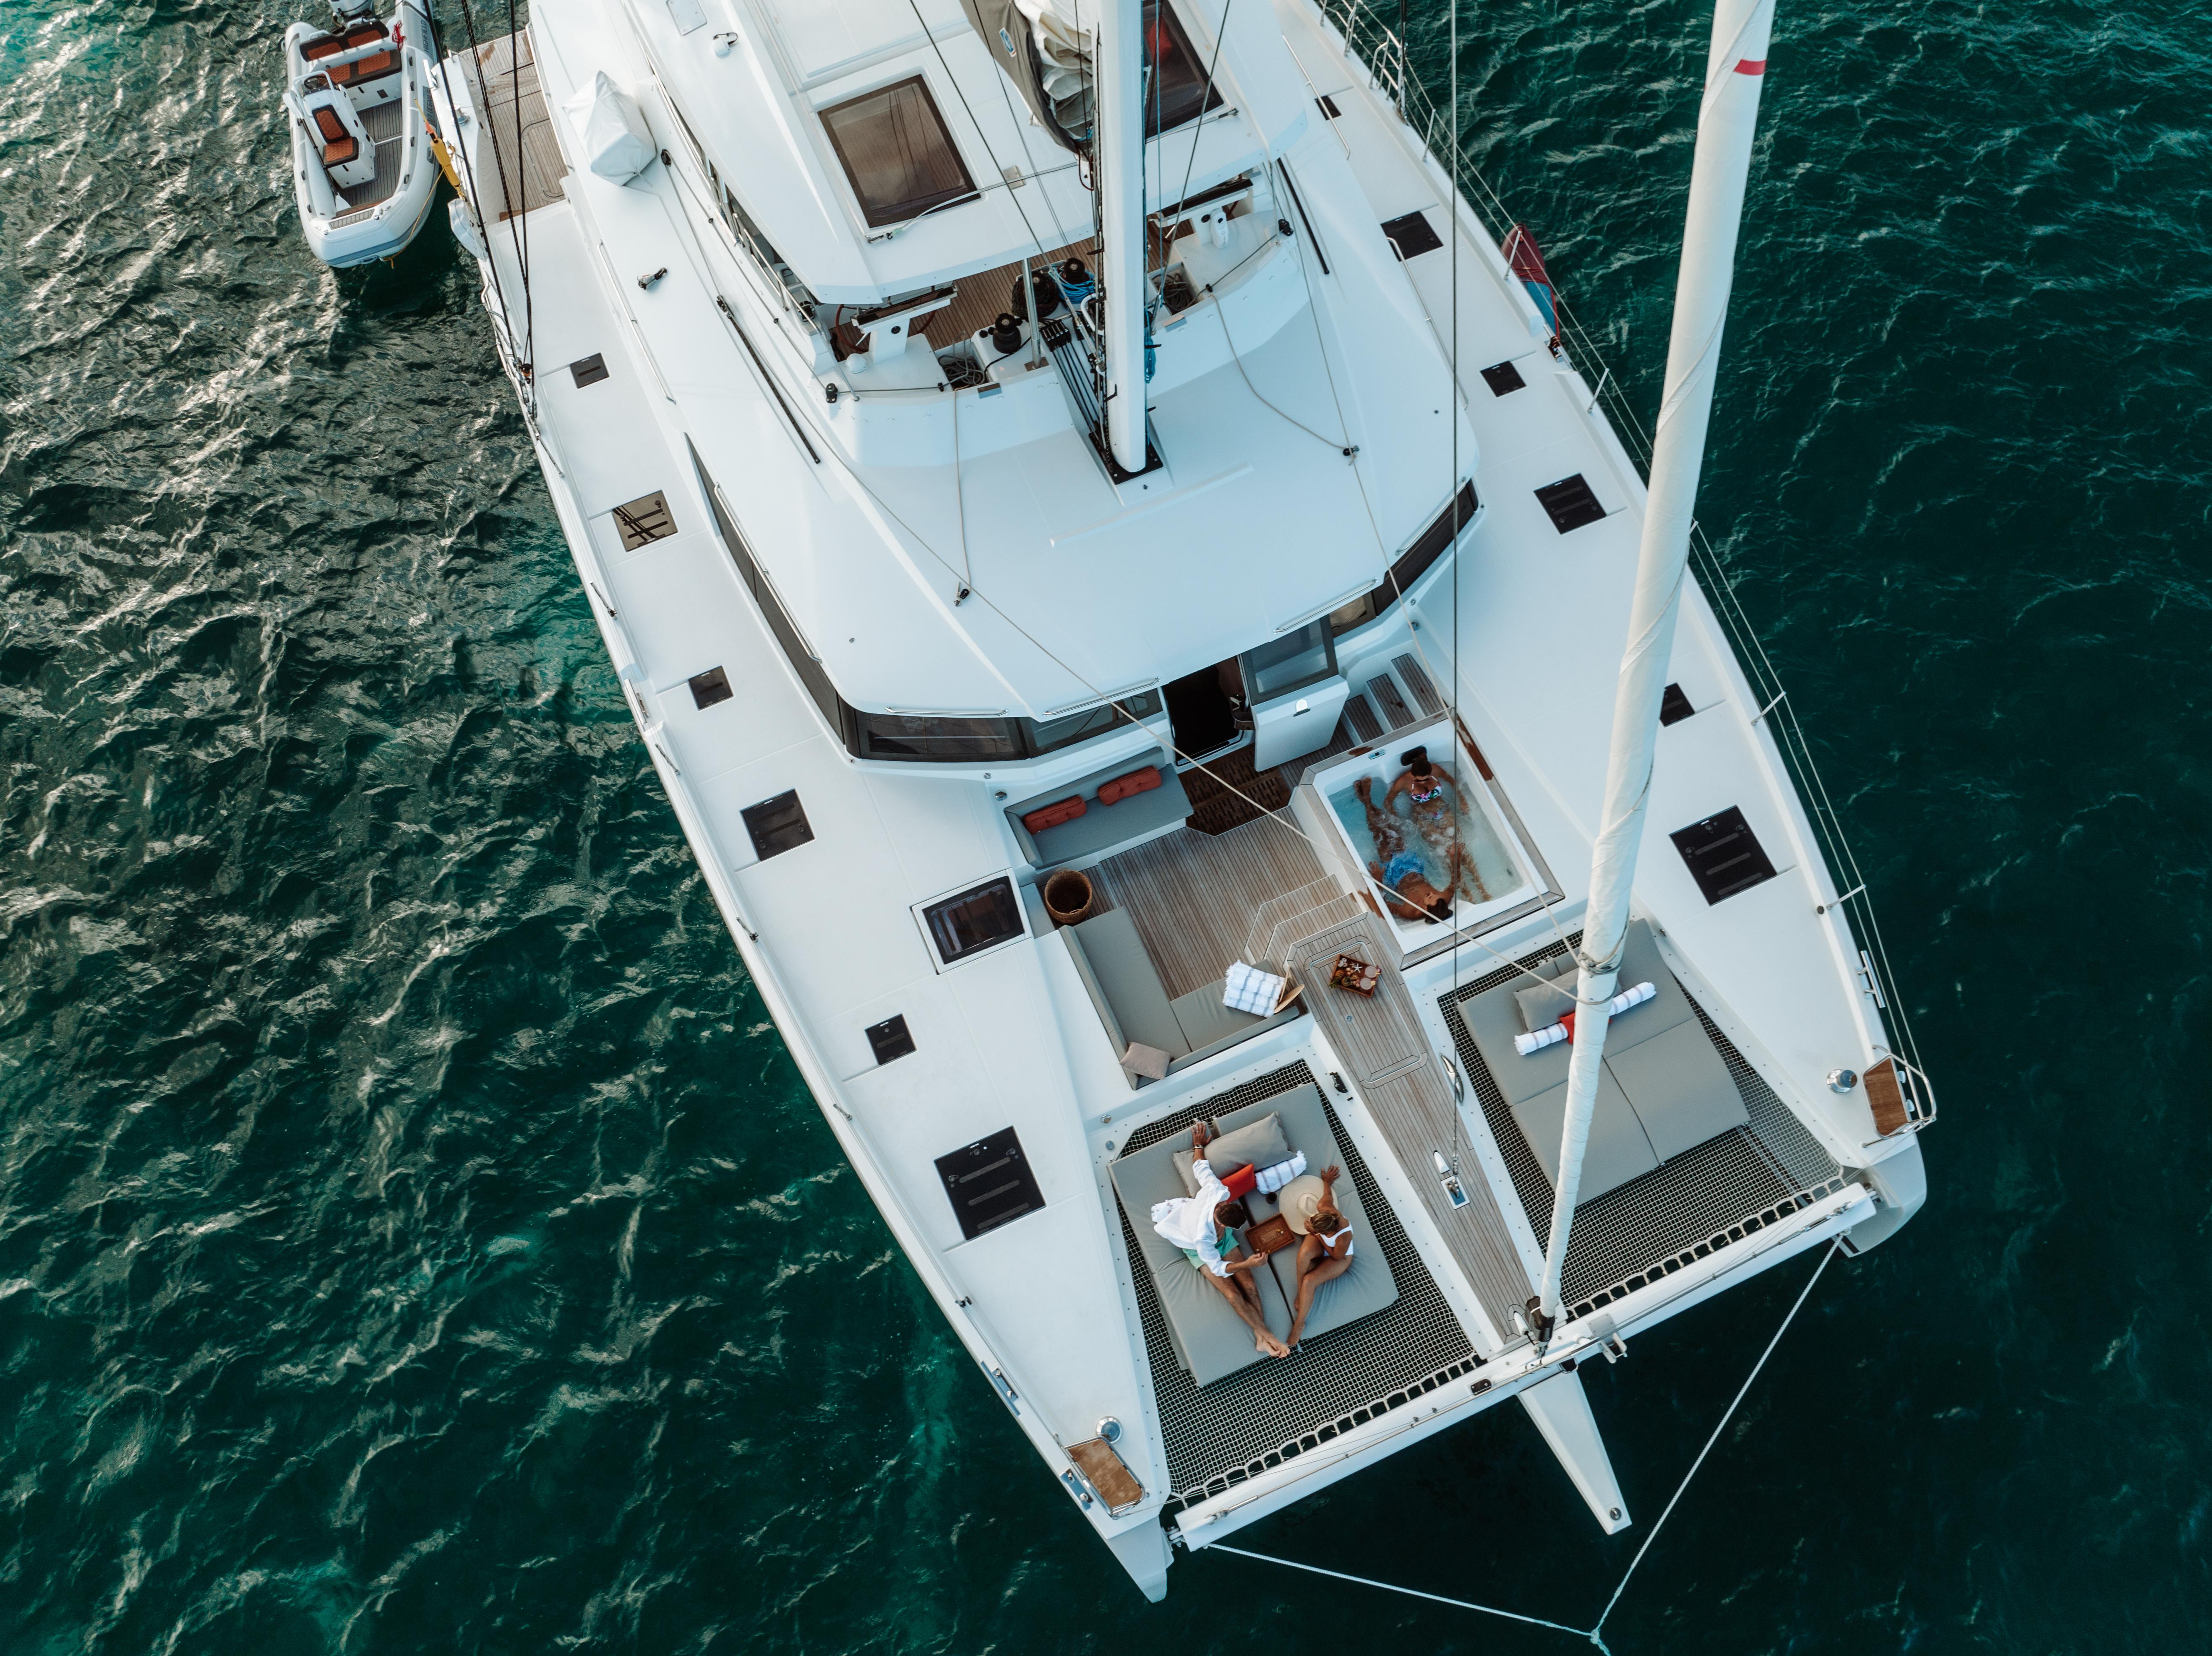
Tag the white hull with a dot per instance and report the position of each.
(753, 514)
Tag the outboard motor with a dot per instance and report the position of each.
(353, 11)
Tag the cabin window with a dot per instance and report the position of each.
(974, 921)
(896, 151)
(1174, 80)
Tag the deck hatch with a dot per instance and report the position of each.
(644, 520)
(1412, 235)
(1502, 378)
(1570, 503)
(777, 825)
(1723, 854)
(890, 1039)
(1328, 109)
(710, 687)
(1673, 706)
(989, 1183)
(981, 918)
(589, 370)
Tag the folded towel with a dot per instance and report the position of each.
(1247, 989)
(1271, 1179)
(1537, 1039)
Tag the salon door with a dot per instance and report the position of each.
(1296, 694)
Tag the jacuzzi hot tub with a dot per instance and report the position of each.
(1496, 874)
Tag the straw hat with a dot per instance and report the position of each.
(1300, 1197)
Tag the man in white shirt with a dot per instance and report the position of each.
(1205, 1227)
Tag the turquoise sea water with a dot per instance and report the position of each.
(413, 1237)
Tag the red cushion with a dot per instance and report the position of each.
(333, 130)
(1124, 787)
(322, 48)
(1052, 817)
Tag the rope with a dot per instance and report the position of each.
(1595, 1632)
(1803, 1293)
(1410, 1592)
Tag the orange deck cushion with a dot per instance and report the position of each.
(322, 48)
(1126, 787)
(1051, 816)
(365, 69)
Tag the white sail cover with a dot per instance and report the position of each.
(618, 143)
(1064, 47)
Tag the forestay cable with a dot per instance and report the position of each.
(1593, 1633)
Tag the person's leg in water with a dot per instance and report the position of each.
(1238, 1289)
(1386, 827)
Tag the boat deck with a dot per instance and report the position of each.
(504, 89)
(384, 123)
(1402, 1083)
(1220, 1434)
(1695, 1202)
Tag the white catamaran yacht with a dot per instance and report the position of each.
(1144, 621)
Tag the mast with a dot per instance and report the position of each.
(1119, 159)
(1726, 119)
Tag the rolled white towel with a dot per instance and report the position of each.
(1268, 1180)
(1247, 989)
(1537, 1039)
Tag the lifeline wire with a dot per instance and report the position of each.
(1593, 1633)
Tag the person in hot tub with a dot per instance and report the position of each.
(1403, 875)
(1433, 801)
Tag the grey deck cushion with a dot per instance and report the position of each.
(1130, 983)
(1141, 1179)
(1210, 1339)
(1259, 1142)
(1679, 1087)
(1368, 1287)
(1492, 1019)
(1542, 1005)
(1665, 1088)
(1204, 1020)
(1640, 963)
(1618, 1148)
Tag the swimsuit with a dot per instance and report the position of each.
(1401, 864)
(1227, 1244)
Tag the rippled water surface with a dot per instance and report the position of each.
(414, 1237)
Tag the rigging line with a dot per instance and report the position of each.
(1411, 1593)
(490, 114)
(1803, 1293)
(1313, 312)
(1198, 131)
(982, 138)
(1021, 132)
(522, 173)
(469, 172)
(1454, 391)
(960, 500)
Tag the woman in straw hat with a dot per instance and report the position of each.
(1325, 1246)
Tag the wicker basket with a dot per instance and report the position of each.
(1069, 897)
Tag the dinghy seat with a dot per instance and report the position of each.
(339, 146)
(347, 153)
